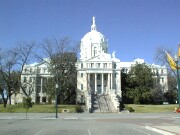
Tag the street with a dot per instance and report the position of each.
(84, 124)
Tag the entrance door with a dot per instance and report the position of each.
(98, 89)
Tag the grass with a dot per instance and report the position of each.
(36, 108)
(72, 108)
(152, 108)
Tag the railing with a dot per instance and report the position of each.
(107, 104)
(114, 99)
(99, 103)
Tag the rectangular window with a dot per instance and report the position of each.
(162, 80)
(105, 65)
(25, 70)
(25, 79)
(30, 79)
(38, 70)
(38, 80)
(81, 74)
(162, 71)
(98, 65)
(91, 77)
(105, 77)
(92, 65)
(98, 77)
(81, 86)
(114, 66)
(81, 65)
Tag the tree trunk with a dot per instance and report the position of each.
(4, 101)
(9, 99)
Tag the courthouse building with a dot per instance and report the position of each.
(98, 72)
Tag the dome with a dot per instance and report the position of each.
(93, 43)
(93, 37)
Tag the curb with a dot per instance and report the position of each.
(159, 130)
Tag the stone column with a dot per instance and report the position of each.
(41, 85)
(95, 83)
(111, 81)
(108, 82)
(102, 83)
(41, 90)
(88, 82)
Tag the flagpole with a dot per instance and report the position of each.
(178, 80)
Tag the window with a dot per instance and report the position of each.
(38, 70)
(91, 77)
(81, 74)
(92, 65)
(81, 86)
(114, 66)
(105, 77)
(25, 70)
(30, 79)
(25, 79)
(38, 80)
(105, 65)
(43, 99)
(95, 51)
(81, 65)
(30, 71)
(38, 89)
(98, 77)
(162, 71)
(98, 65)
(162, 80)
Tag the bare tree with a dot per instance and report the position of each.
(161, 58)
(11, 67)
(62, 58)
(8, 62)
(24, 52)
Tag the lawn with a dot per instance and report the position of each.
(152, 108)
(40, 108)
(37, 108)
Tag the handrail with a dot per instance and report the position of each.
(106, 102)
(99, 103)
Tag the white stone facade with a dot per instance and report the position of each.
(98, 71)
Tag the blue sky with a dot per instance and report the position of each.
(134, 28)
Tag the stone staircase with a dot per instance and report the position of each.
(102, 103)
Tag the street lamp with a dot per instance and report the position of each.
(56, 87)
(176, 59)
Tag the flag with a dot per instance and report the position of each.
(171, 61)
(179, 51)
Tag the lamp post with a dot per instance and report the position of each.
(176, 59)
(56, 99)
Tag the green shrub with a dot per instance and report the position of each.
(79, 109)
(130, 109)
(11, 109)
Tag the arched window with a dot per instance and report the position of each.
(95, 51)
